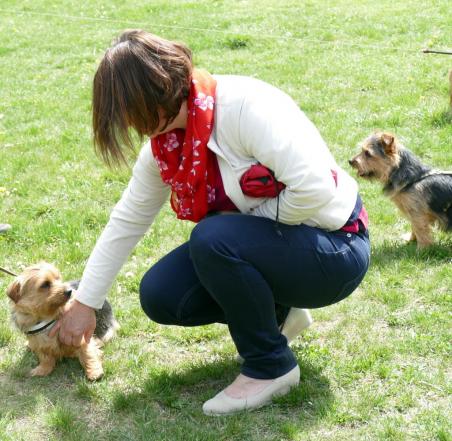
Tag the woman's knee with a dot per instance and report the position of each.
(202, 235)
(152, 300)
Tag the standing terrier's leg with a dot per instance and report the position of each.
(421, 227)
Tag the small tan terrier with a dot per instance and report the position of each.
(38, 297)
(423, 195)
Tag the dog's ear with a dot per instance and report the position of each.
(388, 143)
(13, 291)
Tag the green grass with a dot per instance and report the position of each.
(374, 367)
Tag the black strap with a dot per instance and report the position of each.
(41, 329)
(426, 175)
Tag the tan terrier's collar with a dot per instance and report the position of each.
(41, 327)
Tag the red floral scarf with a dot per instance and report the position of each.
(184, 161)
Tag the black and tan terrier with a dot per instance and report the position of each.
(38, 297)
(422, 194)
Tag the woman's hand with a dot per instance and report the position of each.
(77, 324)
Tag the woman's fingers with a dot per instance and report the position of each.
(71, 338)
(88, 334)
(55, 329)
(76, 325)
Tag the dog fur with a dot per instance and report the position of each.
(423, 195)
(39, 295)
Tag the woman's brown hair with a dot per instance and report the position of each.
(140, 75)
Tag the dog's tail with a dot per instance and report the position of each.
(106, 324)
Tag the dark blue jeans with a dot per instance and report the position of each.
(236, 269)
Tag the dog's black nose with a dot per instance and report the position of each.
(68, 293)
(351, 161)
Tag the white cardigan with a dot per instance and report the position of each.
(254, 122)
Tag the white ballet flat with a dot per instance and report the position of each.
(222, 404)
(296, 321)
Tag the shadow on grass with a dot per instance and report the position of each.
(386, 254)
(166, 405)
(183, 393)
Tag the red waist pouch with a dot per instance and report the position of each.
(259, 181)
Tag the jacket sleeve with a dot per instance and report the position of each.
(129, 221)
(275, 132)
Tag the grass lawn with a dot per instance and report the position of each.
(376, 366)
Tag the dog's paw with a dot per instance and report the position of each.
(94, 374)
(40, 371)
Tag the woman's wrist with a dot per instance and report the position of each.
(83, 306)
